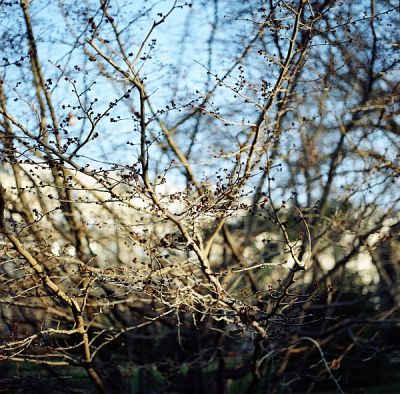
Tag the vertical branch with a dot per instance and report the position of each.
(60, 294)
(70, 212)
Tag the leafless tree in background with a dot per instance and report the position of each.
(199, 195)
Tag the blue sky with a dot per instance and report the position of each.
(186, 32)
